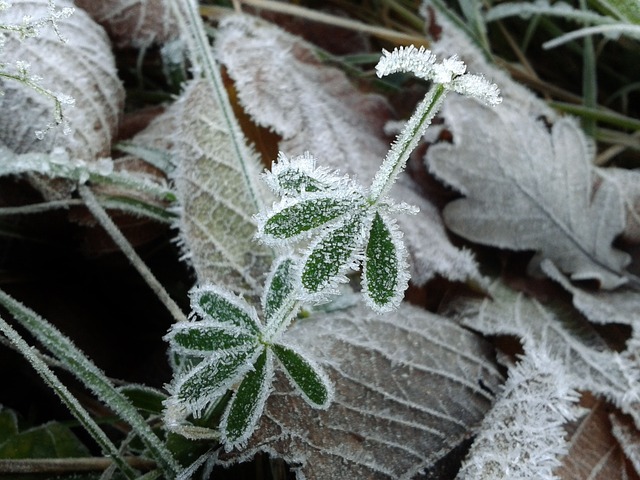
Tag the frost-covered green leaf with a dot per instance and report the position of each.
(202, 338)
(222, 306)
(216, 195)
(327, 115)
(527, 188)
(409, 387)
(280, 287)
(306, 376)
(211, 378)
(235, 353)
(244, 410)
(385, 266)
(305, 215)
(300, 174)
(331, 256)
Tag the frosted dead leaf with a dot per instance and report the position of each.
(216, 209)
(137, 23)
(527, 188)
(409, 387)
(589, 364)
(628, 183)
(283, 85)
(82, 68)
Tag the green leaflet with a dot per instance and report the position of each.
(212, 378)
(381, 263)
(313, 385)
(203, 338)
(224, 307)
(331, 256)
(279, 286)
(306, 215)
(247, 404)
(296, 181)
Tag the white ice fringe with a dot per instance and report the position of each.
(451, 72)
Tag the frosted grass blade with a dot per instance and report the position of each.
(92, 377)
(308, 378)
(67, 398)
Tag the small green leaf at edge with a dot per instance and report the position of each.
(278, 287)
(381, 272)
(51, 440)
(308, 378)
(222, 306)
(305, 215)
(246, 406)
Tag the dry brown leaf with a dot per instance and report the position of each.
(137, 23)
(594, 453)
(409, 387)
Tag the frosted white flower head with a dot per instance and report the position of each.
(451, 72)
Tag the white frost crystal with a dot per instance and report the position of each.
(522, 436)
(450, 73)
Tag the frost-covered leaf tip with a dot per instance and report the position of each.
(451, 72)
(229, 346)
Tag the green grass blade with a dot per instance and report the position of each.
(92, 377)
(67, 398)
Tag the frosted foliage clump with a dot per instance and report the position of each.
(97, 93)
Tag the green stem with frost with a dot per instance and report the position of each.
(406, 142)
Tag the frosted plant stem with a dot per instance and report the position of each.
(61, 466)
(101, 215)
(406, 142)
(85, 370)
(186, 11)
(67, 398)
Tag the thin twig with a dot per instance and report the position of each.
(105, 221)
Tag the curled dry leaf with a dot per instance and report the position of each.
(628, 437)
(137, 23)
(283, 85)
(409, 387)
(527, 188)
(216, 208)
(82, 68)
